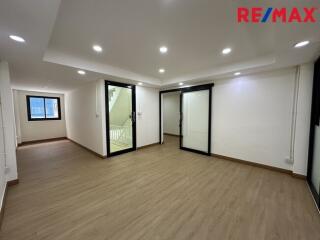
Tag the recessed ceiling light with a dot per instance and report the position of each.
(237, 73)
(163, 49)
(301, 44)
(181, 83)
(140, 83)
(17, 38)
(226, 51)
(81, 72)
(97, 48)
(161, 70)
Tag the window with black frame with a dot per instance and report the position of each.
(42, 108)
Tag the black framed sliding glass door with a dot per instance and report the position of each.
(314, 141)
(195, 119)
(120, 118)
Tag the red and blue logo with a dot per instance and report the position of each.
(275, 15)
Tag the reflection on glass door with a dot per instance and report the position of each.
(195, 126)
(314, 141)
(315, 173)
(120, 107)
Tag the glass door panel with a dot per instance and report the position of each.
(120, 118)
(196, 119)
(315, 174)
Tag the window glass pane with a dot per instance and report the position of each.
(36, 107)
(52, 108)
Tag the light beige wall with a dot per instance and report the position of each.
(252, 118)
(171, 113)
(8, 170)
(2, 158)
(303, 114)
(37, 130)
(85, 116)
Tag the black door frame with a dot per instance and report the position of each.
(182, 90)
(133, 100)
(315, 118)
(160, 110)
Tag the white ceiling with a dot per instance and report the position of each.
(59, 37)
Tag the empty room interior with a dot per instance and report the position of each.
(159, 120)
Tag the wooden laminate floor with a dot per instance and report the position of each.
(160, 192)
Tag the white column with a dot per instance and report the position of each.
(8, 122)
(303, 115)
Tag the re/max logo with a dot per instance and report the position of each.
(262, 15)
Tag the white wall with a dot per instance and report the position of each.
(17, 116)
(37, 130)
(85, 116)
(8, 124)
(171, 113)
(301, 139)
(252, 117)
(147, 100)
(2, 158)
(8, 162)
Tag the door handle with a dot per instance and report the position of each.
(133, 116)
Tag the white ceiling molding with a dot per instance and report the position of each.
(222, 71)
(77, 62)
